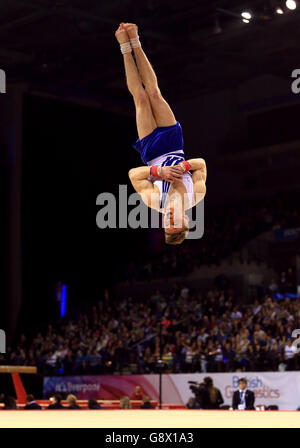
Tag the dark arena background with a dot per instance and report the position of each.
(114, 318)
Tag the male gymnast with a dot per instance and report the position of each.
(166, 183)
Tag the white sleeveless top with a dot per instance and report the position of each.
(171, 159)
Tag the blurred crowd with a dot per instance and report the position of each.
(226, 231)
(190, 331)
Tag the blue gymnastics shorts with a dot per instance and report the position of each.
(161, 141)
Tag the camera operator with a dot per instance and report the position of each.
(212, 398)
(207, 396)
(198, 390)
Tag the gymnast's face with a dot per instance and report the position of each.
(174, 220)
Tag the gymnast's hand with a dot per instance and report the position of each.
(171, 173)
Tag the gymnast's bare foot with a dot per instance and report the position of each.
(121, 34)
(132, 29)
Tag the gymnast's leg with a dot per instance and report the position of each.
(161, 110)
(144, 116)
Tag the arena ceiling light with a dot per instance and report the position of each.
(279, 10)
(246, 15)
(291, 4)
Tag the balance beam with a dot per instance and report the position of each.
(18, 369)
(18, 384)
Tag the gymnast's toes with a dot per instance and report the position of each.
(121, 35)
(131, 29)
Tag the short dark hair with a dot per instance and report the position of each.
(93, 404)
(208, 381)
(30, 398)
(243, 380)
(58, 397)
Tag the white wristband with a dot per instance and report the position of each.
(126, 48)
(135, 42)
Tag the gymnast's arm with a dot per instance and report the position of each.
(198, 166)
(139, 176)
(142, 185)
(139, 179)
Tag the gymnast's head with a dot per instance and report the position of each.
(175, 225)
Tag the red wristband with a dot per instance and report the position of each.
(153, 171)
(186, 165)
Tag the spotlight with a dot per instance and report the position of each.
(246, 15)
(246, 20)
(279, 11)
(291, 4)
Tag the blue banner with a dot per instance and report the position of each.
(287, 234)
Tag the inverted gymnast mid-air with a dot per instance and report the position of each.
(166, 184)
